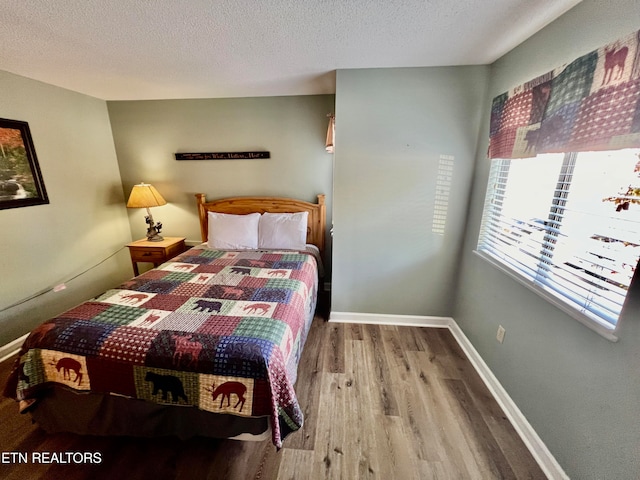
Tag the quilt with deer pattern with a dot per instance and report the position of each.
(214, 329)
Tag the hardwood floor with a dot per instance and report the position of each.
(380, 402)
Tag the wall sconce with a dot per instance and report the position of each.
(145, 196)
(331, 133)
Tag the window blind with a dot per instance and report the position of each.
(545, 220)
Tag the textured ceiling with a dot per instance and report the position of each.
(158, 49)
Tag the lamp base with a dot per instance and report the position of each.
(153, 232)
(155, 238)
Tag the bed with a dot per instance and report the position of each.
(206, 344)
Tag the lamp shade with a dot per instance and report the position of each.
(145, 196)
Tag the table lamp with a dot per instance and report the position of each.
(145, 196)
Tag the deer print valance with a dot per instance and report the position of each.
(591, 104)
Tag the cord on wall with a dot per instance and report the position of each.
(59, 286)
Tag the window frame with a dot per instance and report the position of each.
(589, 322)
(602, 327)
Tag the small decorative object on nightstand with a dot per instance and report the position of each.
(156, 252)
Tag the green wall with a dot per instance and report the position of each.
(579, 391)
(147, 134)
(392, 127)
(85, 221)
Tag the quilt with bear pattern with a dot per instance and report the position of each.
(218, 330)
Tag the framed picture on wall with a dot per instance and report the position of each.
(21, 183)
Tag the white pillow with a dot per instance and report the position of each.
(286, 231)
(233, 231)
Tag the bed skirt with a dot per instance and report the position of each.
(109, 415)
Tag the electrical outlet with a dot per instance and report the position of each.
(500, 334)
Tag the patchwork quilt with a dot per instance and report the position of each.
(218, 330)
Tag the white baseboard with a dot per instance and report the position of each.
(12, 348)
(534, 443)
(386, 319)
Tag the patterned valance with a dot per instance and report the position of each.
(591, 104)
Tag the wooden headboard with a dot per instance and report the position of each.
(316, 223)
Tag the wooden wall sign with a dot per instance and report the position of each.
(222, 156)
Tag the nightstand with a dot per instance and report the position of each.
(155, 252)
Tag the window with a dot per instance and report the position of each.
(559, 223)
